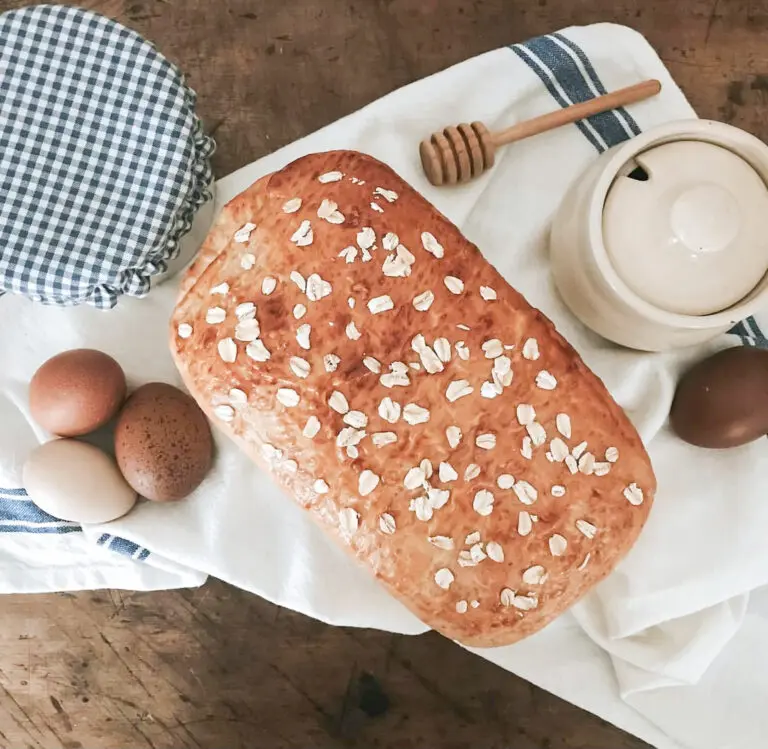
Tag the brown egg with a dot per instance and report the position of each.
(163, 442)
(76, 392)
(723, 400)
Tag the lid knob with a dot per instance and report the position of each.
(686, 227)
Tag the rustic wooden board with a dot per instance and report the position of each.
(217, 667)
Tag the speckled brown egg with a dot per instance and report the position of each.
(723, 400)
(163, 442)
(76, 392)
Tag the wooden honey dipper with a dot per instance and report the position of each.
(458, 154)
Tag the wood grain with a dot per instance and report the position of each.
(217, 667)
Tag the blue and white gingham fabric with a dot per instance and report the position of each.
(103, 161)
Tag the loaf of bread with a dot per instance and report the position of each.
(355, 345)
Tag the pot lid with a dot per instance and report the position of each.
(685, 226)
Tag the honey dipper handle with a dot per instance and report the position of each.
(576, 112)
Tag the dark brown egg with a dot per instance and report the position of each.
(163, 442)
(76, 392)
(723, 400)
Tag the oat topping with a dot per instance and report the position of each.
(486, 441)
(227, 350)
(288, 397)
(559, 450)
(634, 494)
(471, 472)
(302, 336)
(563, 424)
(558, 490)
(585, 562)
(441, 542)
(290, 466)
(380, 304)
(352, 332)
(526, 493)
(331, 362)
(502, 371)
(537, 433)
(586, 528)
(247, 330)
(601, 469)
(431, 245)
(462, 351)
(557, 545)
(367, 482)
(184, 330)
(526, 449)
(312, 427)
(374, 365)
(505, 481)
(389, 195)
(300, 367)
(474, 604)
(257, 351)
(446, 472)
(268, 285)
(352, 451)
(545, 380)
(334, 176)
(421, 508)
(494, 551)
(587, 464)
(215, 315)
(531, 349)
(423, 301)
(578, 451)
(442, 348)
(444, 578)
(222, 288)
(524, 523)
(571, 464)
(415, 414)
(461, 326)
(349, 437)
(376, 207)
(461, 607)
(349, 254)
(381, 439)
(303, 236)
(247, 261)
(292, 205)
(245, 311)
(483, 502)
(612, 454)
(426, 466)
(458, 389)
(492, 348)
(429, 359)
(487, 293)
(489, 390)
(238, 398)
(387, 523)
(299, 280)
(472, 538)
(329, 211)
(535, 575)
(299, 311)
(366, 238)
(507, 596)
(476, 553)
(321, 487)
(453, 435)
(349, 521)
(415, 478)
(317, 288)
(390, 241)
(356, 419)
(389, 410)
(224, 412)
(524, 603)
(525, 414)
(270, 452)
(366, 256)
(453, 284)
(338, 402)
(243, 234)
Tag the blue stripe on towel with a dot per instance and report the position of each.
(19, 514)
(570, 78)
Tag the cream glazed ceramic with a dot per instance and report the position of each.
(663, 241)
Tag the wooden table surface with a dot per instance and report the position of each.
(216, 667)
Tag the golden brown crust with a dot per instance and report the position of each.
(510, 599)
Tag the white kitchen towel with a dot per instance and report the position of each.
(680, 595)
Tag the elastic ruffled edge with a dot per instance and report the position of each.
(137, 282)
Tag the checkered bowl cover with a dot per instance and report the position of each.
(103, 161)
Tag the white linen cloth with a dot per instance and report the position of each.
(667, 612)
